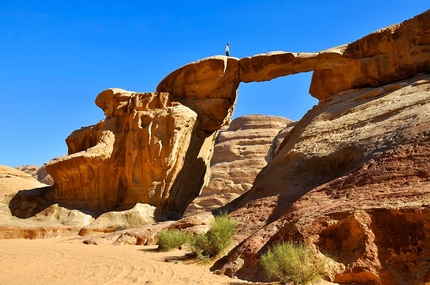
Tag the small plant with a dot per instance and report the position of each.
(290, 262)
(171, 239)
(216, 240)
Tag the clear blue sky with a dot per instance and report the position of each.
(56, 56)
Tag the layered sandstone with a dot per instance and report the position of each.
(353, 179)
(241, 150)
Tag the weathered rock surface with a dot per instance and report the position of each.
(154, 148)
(150, 149)
(241, 151)
(208, 86)
(353, 179)
(13, 180)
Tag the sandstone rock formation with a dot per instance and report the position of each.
(150, 149)
(12, 180)
(353, 179)
(241, 151)
(390, 54)
(155, 147)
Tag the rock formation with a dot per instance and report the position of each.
(51, 221)
(352, 177)
(242, 149)
(150, 149)
(390, 54)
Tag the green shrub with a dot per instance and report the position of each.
(290, 262)
(171, 239)
(216, 240)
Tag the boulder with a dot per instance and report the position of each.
(138, 216)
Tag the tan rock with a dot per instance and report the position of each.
(25, 214)
(208, 86)
(39, 173)
(240, 152)
(139, 215)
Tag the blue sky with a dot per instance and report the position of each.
(56, 56)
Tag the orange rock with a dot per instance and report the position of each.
(138, 154)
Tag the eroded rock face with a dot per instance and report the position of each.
(152, 148)
(352, 178)
(241, 150)
(138, 154)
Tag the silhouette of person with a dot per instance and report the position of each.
(227, 49)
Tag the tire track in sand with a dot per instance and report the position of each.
(61, 262)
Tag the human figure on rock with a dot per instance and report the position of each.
(227, 49)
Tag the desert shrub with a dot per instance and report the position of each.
(171, 239)
(216, 240)
(291, 262)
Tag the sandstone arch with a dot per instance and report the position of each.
(193, 102)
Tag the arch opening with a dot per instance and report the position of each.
(286, 96)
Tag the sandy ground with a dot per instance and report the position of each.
(64, 261)
(69, 261)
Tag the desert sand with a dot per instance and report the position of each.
(69, 261)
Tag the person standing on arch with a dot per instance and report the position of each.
(227, 49)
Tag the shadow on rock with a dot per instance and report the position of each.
(28, 203)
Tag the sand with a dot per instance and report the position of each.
(67, 261)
